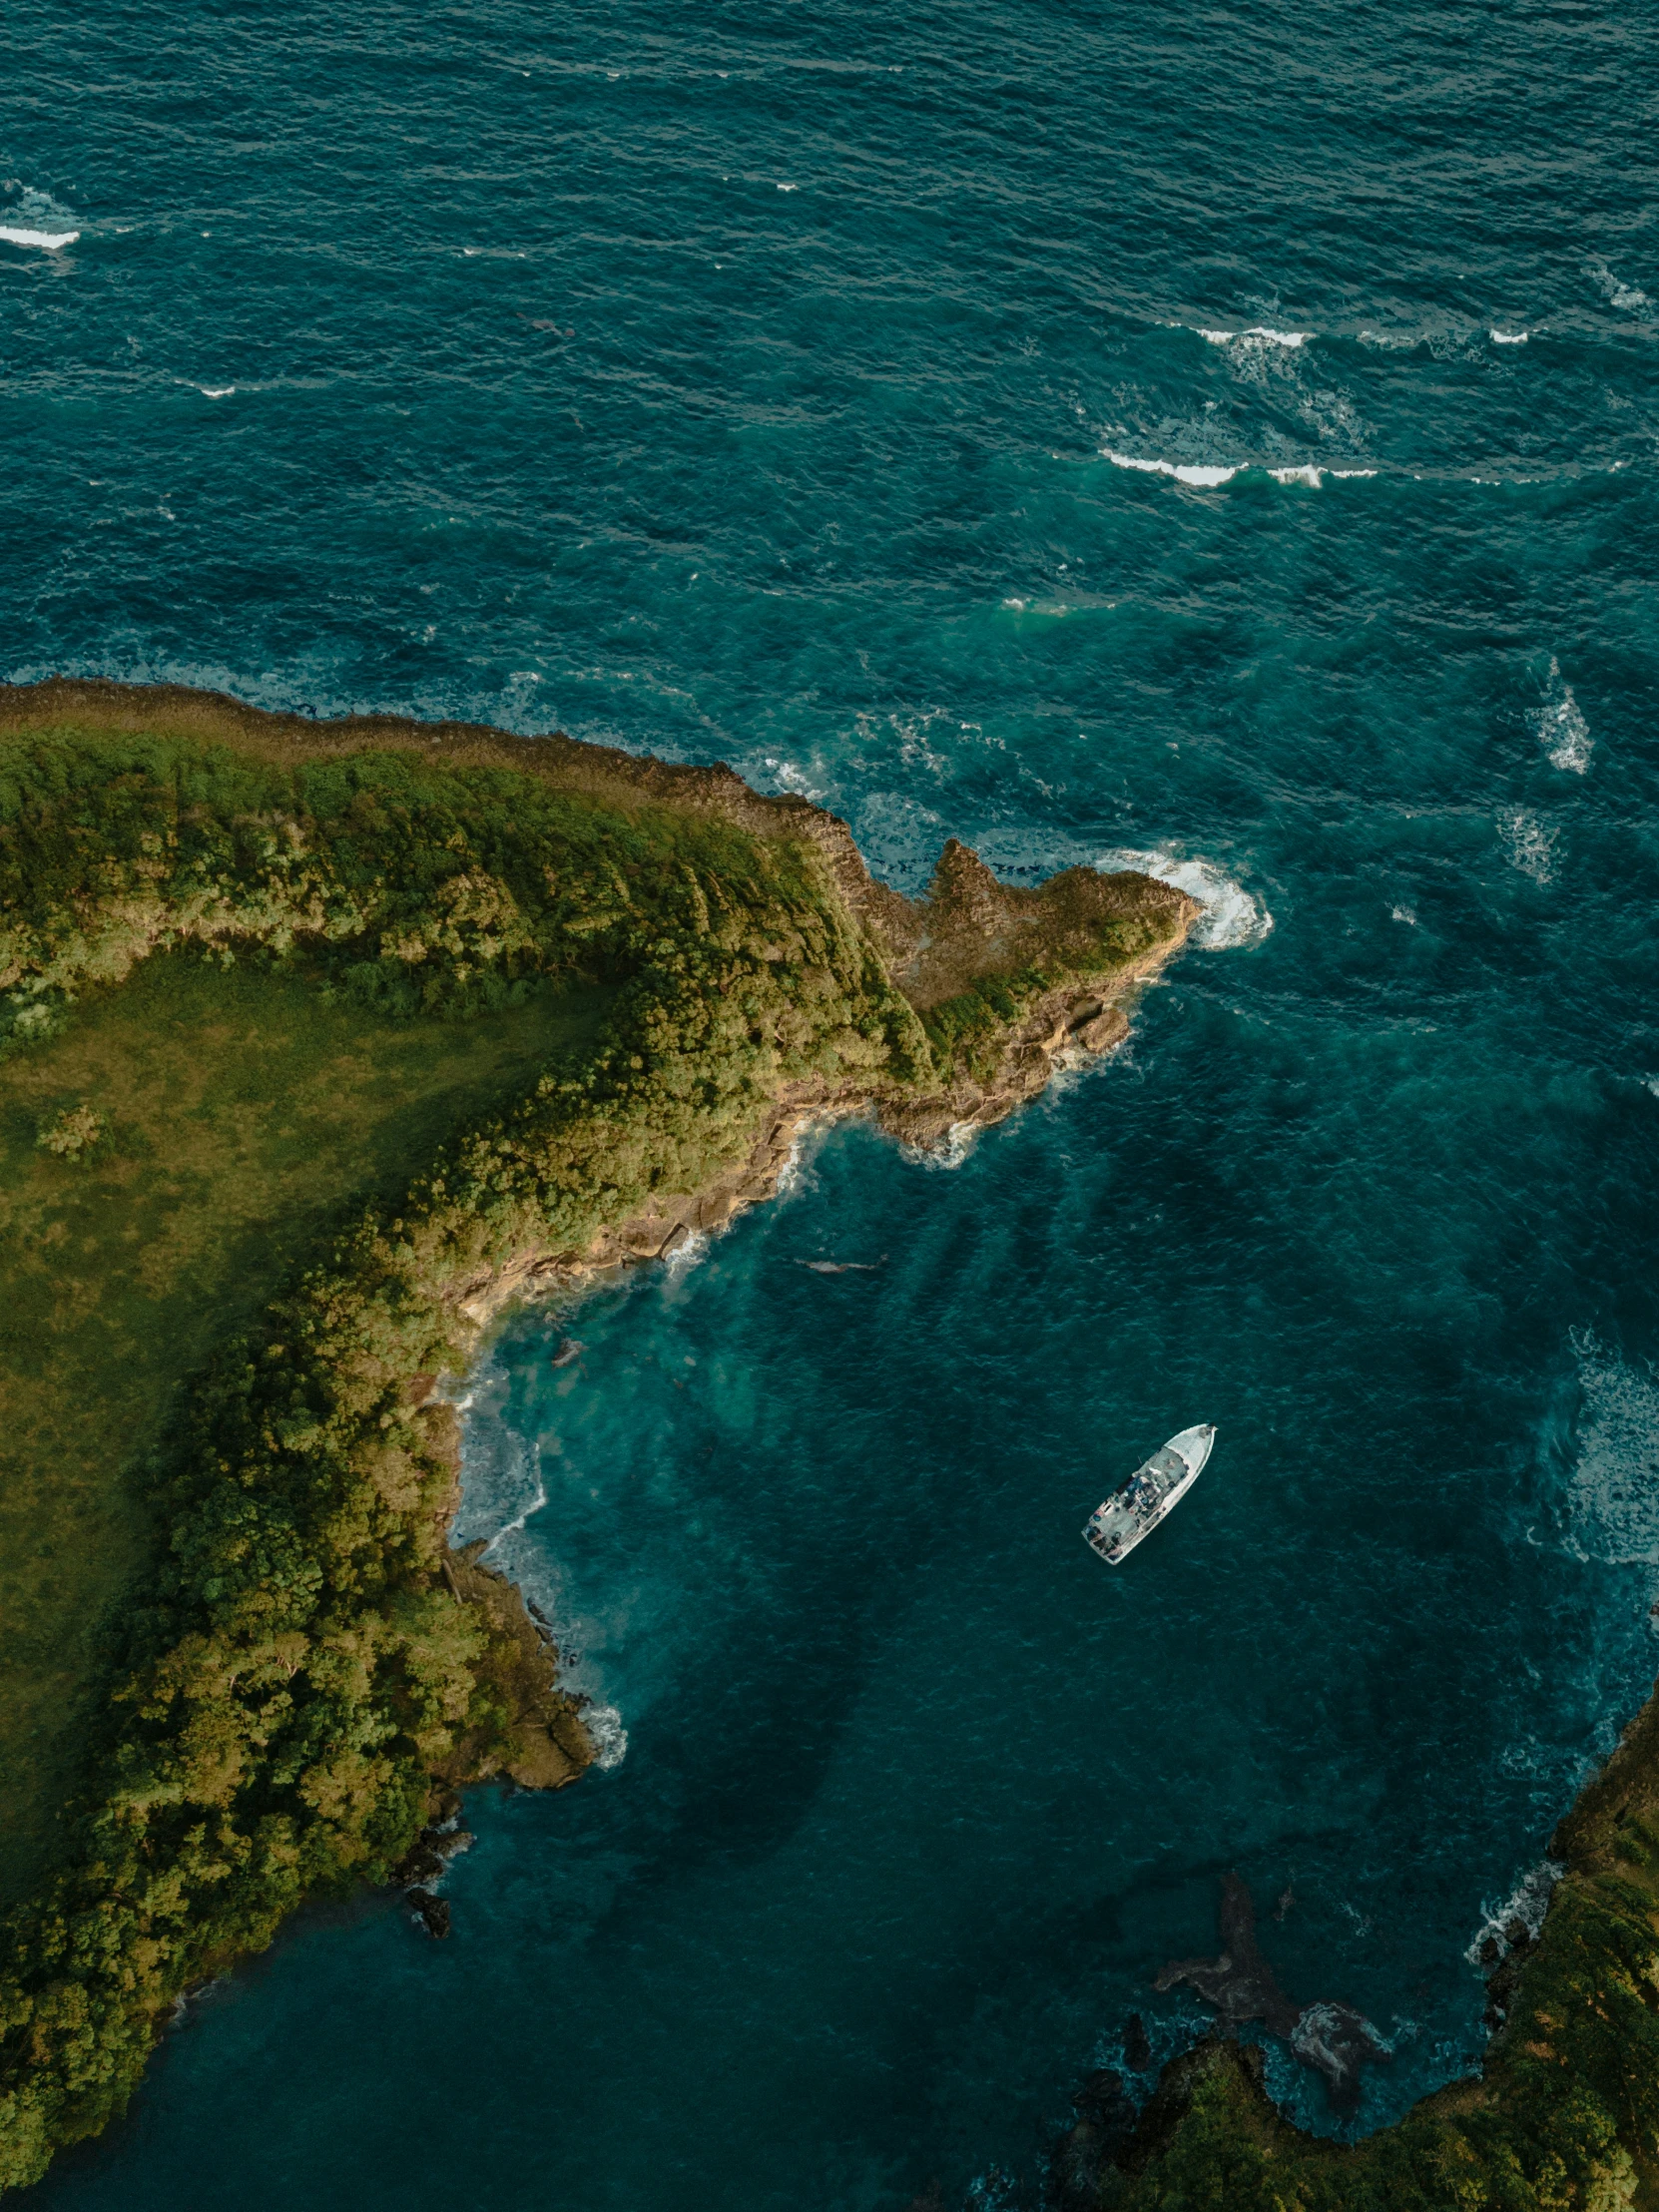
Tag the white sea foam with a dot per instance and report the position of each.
(607, 1734)
(1530, 843)
(1612, 1494)
(1405, 913)
(216, 391)
(1527, 1902)
(1508, 338)
(1232, 915)
(49, 242)
(515, 1526)
(1206, 476)
(1615, 290)
(789, 778)
(687, 1252)
(1258, 335)
(1561, 728)
(951, 1151)
(1203, 475)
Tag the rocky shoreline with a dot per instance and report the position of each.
(309, 1721)
(1063, 1028)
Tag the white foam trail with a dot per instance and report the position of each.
(1613, 1496)
(1403, 913)
(1508, 338)
(1261, 332)
(216, 391)
(1530, 843)
(1184, 472)
(1207, 476)
(1527, 1902)
(1232, 916)
(49, 242)
(1561, 728)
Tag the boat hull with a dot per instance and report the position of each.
(1149, 1496)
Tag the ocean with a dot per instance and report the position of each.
(1223, 441)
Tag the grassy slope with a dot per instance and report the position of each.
(245, 1114)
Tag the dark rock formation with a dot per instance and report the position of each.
(1334, 2040)
(1104, 2124)
(1240, 1984)
(1137, 2051)
(1502, 1959)
(433, 1913)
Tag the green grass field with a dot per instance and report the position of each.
(245, 1112)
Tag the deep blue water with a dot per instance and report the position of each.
(748, 385)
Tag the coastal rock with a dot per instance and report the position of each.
(1332, 2039)
(1337, 2042)
(1104, 2125)
(433, 1913)
(423, 1863)
(1240, 1984)
(1137, 2050)
(547, 1743)
(1503, 1961)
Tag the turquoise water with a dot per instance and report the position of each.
(750, 386)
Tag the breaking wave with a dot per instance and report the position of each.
(1233, 917)
(951, 1151)
(44, 225)
(1258, 337)
(48, 240)
(1209, 476)
(609, 1737)
(1527, 1902)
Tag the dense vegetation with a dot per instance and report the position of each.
(290, 1666)
(237, 1121)
(297, 1670)
(599, 989)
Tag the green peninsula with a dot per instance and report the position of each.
(318, 1043)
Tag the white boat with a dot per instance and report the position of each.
(1115, 1528)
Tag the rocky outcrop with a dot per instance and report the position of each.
(1332, 2039)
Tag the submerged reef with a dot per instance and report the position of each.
(303, 1672)
(1334, 2040)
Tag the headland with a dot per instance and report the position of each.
(293, 1670)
